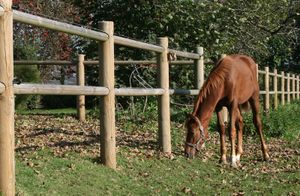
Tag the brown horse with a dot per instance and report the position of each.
(232, 84)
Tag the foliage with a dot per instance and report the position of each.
(266, 30)
(26, 73)
(283, 121)
(48, 44)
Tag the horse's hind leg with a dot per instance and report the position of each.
(240, 126)
(254, 102)
(221, 127)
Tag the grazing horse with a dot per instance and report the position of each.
(233, 84)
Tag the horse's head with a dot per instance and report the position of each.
(195, 137)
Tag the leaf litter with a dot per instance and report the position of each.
(65, 135)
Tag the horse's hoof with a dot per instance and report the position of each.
(223, 162)
(266, 157)
(234, 165)
(239, 164)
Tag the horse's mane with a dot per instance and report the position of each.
(214, 81)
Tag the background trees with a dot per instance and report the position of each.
(267, 30)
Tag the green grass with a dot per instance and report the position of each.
(139, 175)
(142, 170)
(64, 111)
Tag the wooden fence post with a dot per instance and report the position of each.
(164, 122)
(288, 88)
(282, 88)
(293, 87)
(298, 87)
(107, 103)
(7, 135)
(80, 82)
(199, 68)
(275, 86)
(267, 89)
(224, 109)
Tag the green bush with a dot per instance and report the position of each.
(283, 122)
(26, 73)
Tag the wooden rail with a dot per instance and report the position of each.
(44, 89)
(87, 62)
(58, 26)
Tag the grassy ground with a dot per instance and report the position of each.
(56, 155)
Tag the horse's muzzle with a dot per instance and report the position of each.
(189, 155)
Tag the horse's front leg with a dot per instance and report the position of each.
(232, 134)
(221, 127)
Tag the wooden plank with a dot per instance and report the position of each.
(7, 134)
(138, 92)
(261, 72)
(275, 88)
(199, 68)
(293, 87)
(282, 88)
(151, 47)
(26, 62)
(44, 89)
(267, 89)
(58, 26)
(117, 62)
(80, 82)
(225, 112)
(164, 122)
(288, 88)
(137, 44)
(262, 92)
(107, 103)
(183, 92)
(298, 87)
(185, 54)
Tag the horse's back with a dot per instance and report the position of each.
(241, 63)
(241, 77)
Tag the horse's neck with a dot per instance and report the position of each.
(204, 110)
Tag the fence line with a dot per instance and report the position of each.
(88, 62)
(286, 80)
(106, 90)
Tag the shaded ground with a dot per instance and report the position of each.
(66, 135)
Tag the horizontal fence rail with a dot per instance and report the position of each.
(58, 26)
(287, 92)
(87, 33)
(138, 91)
(137, 44)
(117, 62)
(44, 89)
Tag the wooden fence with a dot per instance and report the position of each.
(105, 90)
(282, 87)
